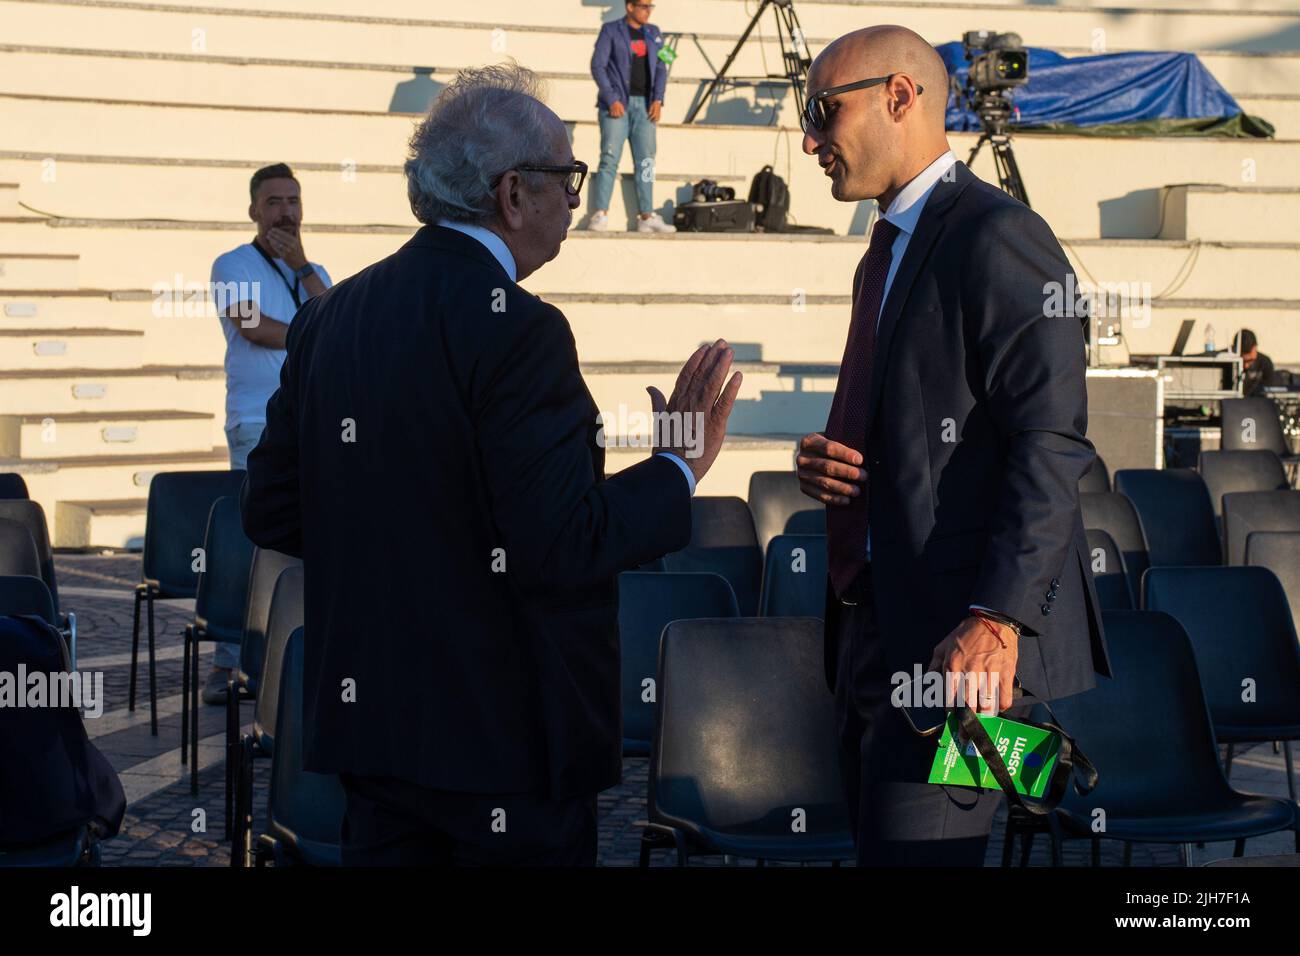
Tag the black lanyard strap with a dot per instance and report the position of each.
(1070, 762)
(293, 289)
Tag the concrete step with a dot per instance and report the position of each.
(73, 434)
(1231, 213)
(773, 397)
(291, 83)
(741, 456)
(778, 265)
(1282, 110)
(114, 190)
(71, 390)
(1083, 186)
(1272, 320)
(669, 326)
(37, 270)
(9, 196)
(575, 13)
(101, 523)
(510, 27)
(94, 477)
(70, 347)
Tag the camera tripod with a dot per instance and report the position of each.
(993, 112)
(794, 54)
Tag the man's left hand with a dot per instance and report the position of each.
(984, 672)
(655, 109)
(287, 246)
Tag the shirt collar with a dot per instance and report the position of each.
(905, 211)
(494, 243)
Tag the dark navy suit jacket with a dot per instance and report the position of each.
(432, 456)
(611, 64)
(976, 441)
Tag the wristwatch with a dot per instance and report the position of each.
(307, 270)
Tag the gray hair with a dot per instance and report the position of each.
(489, 120)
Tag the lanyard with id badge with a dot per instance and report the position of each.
(1023, 758)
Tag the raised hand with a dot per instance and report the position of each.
(693, 422)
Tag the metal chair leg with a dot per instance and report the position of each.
(1009, 841)
(135, 654)
(153, 672)
(1026, 846)
(185, 697)
(194, 717)
(1239, 848)
(232, 732)
(1187, 854)
(1096, 851)
(1290, 769)
(1227, 763)
(1128, 852)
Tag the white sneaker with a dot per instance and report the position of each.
(654, 224)
(599, 222)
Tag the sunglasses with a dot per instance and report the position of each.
(814, 114)
(574, 174)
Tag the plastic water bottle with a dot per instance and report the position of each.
(1209, 340)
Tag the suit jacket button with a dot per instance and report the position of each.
(1047, 609)
(1056, 583)
(1051, 596)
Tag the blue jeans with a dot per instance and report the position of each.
(635, 125)
(242, 439)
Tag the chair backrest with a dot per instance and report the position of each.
(1177, 519)
(647, 602)
(32, 516)
(1245, 643)
(1108, 573)
(1279, 551)
(26, 594)
(746, 729)
(1229, 471)
(1251, 424)
(1156, 688)
(17, 549)
(724, 542)
(286, 616)
(1096, 479)
(12, 485)
(304, 809)
(1113, 513)
(176, 521)
(794, 576)
(265, 571)
(222, 596)
(1245, 512)
(779, 507)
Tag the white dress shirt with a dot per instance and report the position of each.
(497, 246)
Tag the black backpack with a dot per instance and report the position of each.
(771, 200)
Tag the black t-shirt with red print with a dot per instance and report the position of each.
(640, 79)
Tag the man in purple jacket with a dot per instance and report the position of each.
(631, 81)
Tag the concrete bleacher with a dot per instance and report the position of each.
(133, 129)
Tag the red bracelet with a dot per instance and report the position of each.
(992, 630)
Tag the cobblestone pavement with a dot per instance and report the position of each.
(166, 826)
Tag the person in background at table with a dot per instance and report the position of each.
(631, 80)
(258, 287)
(1256, 367)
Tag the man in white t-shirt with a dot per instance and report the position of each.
(258, 288)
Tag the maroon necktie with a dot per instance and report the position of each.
(846, 525)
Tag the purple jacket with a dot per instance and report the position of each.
(611, 64)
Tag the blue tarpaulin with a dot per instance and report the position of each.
(1103, 90)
